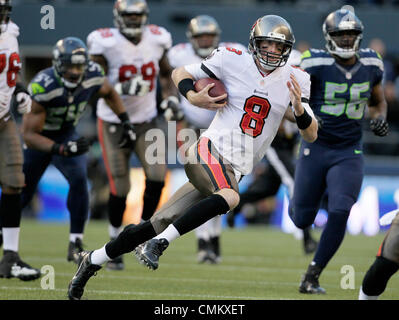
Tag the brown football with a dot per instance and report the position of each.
(217, 90)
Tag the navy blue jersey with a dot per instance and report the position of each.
(64, 107)
(339, 94)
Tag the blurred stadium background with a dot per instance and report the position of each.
(78, 18)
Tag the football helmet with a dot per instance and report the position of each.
(70, 61)
(343, 32)
(272, 28)
(199, 27)
(130, 17)
(5, 11)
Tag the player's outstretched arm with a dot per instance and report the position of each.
(306, 123)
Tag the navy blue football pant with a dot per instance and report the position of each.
(74, 169)
(339, 173)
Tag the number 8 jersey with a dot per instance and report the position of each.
(340, 95)
(244, 129)
(125, 60)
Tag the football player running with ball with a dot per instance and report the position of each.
(345, 79)
(133, 55)
(203, 33)
(260, 87)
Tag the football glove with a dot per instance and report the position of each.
(71, 148)
(128, 138)
(135, 86)
(379, 126)
(171, 109)
(24, 102)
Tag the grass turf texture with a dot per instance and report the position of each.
(259, 263)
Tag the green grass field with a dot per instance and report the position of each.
(259, 263)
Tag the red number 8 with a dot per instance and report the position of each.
(256, 111)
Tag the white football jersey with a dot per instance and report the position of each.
(183, 54)
(244, 129)
(125, 60)
(10, 62)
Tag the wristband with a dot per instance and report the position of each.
(56, 149)
(185, 86)
(123, 117)
(20, 88)
(304, 120)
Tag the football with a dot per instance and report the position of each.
(217, 90)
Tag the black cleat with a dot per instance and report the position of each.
(85, 271)
(207, 251)
(310, 281)
(310, 246)
(207, 256)
(115, 264)
(11, 266)
(149, 253)
(74, 249)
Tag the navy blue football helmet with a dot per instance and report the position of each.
(343, 32)
(70, 60)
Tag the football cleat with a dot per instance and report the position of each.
(11, 266)
(149, 253)
(310, 281)
(207, 256)
(115, 264)
(85, 271)
(310, 246)
(74, 249)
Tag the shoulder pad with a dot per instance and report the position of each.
(160, 35)
(12, 29)
(44, 86)
(369, 57)
(314, 58)
(104, 37)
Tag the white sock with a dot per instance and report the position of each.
(114, 232)
(363, 296)
(170, 234)
(11, 239)
(74, 236)
(99, 256)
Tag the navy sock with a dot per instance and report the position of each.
(331, 238)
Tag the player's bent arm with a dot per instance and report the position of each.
(378, 104)
(184, 81)
(100, 59)
(32, 126)
(112, 98)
